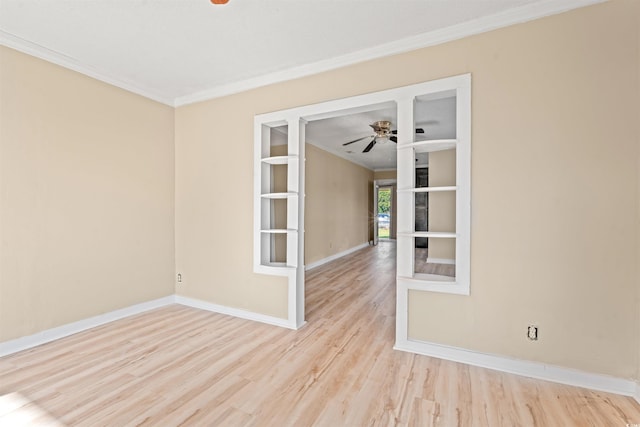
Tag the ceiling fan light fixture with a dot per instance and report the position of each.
(382, 128)
(382, 133)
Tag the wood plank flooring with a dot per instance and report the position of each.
(422, 266)
(182, 366)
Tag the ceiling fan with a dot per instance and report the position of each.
(382, 129)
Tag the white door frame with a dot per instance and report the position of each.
(375, 212)
(401, 98)
(376, 187)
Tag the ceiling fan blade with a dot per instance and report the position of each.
(418, 130)
(356, 140)
(370, 146)
(393, 139)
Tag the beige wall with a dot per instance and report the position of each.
(214, 207)
(215, 257)
(86, 197)
(554, 176)
(442, 205)
(555, 143)
(336, 204)
(86, 185)
(385, 175)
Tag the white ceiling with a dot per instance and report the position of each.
(182, 51)
(435, 117)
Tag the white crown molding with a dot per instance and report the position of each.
(335, 256)
(525, 368)
(235, 312)
(43, 337)
(14, 42)
(432, 38)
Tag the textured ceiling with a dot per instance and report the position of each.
(436, 118)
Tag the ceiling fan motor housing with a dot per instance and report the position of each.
(382, 128)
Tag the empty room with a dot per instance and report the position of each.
(320, 213)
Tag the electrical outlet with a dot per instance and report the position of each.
(532, 333)
(179, 277)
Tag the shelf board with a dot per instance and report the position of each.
(278, 195)
(430, 145)
(422, 277)
(278, 230)
(434, 234)
(278, 265)
(428, 189)
(278, 160)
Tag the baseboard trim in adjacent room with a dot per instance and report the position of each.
(235, 312)
(637, 396)
(335, 256)
(441, 261)
(525, 368)
(48, 335)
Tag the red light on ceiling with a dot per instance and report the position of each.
(219, 1)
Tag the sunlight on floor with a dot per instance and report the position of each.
(17, 411)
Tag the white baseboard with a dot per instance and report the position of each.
(500, 363)
(441, 261)
(335, 256)
(536, 370)
(236, 312)
(43, 337)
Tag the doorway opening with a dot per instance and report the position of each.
(385, 195)
(384, 206)
(431, 118)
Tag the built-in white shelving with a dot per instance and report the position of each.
(425, 257)
(278, 248)
(279, 207)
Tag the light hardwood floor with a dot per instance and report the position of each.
(183, 366)
(422, 266)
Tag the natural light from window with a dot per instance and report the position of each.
(17, 410)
